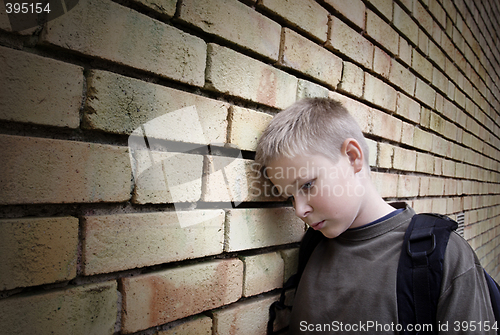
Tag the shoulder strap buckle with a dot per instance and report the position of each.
(422, 242)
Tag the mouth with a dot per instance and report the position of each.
(317, 225)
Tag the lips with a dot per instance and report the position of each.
(317, 225)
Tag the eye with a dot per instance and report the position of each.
(307, 185)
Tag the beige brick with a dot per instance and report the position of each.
(437, 55)
(307, 15)
(120, 105)
(437, 123)
(37, 251)
(449, 168)
(81, 310)
(379, 93)
(450, 187)
(381, 62)
(39, 90)
(405, 24)
(425, 163)
(404, 159)
(424, 186)
(39, 170)
(385, 155)
(404, 51)
(373, 152)
(440, 206)
(382, 32)
(232, 73)
(407, 107)
(296, 54)
(118, 242)
(425, 93)
(163, 7)
(160, 297)
(361, 113)
(438, 12)
(408, 186)
(439, 145)
(385, 183)
(165, 177)
(402, 77)
(423, 42)
(422, 205)
(439, 80)
(199, 325)
(436, 186)
(246, 126)
(307, 89)
(354, 10)
(246, 317)
(384, 6)
(350, 43)
(407, 133)
(258, 228)
(291, 260)
(386, 126)
(425, 117)
(421, 65)
(262, 273)
(235, 22)
(352, 79)
(107, 30)
(422, 16)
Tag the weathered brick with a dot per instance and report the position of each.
(118, 242)
(361, 112)
(81, 310)
(39, 90)
(386, 126)
(235, 22)
(408, 108)
(257, 228)
(385, 183)
(120, 105)
(39, 170)
(404, 159)
(402, 77)
(382, 32)
(352, 79)
(423, 42)
(422, 16)
(379, 93)
(163, 7)
(404, 51)
(408, 186)
(384, 6)
(164, 177)
(438, 12)
(372, 147)
(385, 155)
(246, 317)
(381, 62)
(407, 133)
(291, 260)
(436, 55)
(436, 186)
(296, 54)
(246, 126)
(405, 24)
(160, 297)
(307, 89)
(425, 163)
(421, 65)
(262, 273)
(307, 15)
(129, 38)
(439, 80)
(425, 93)
(353, 10)
(199, 325)
(350, 43)
(37, 251)
(232, 73)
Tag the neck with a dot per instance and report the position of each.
(373, 208)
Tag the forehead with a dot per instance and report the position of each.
(299, 166)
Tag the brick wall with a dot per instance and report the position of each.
(129, 199)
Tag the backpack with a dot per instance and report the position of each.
(419, 274)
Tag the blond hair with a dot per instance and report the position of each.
(308, 127)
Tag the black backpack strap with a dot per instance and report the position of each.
(309, 242)
(420, 270)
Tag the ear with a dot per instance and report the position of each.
(353, 150)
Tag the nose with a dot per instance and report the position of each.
(302, 207)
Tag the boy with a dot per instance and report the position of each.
(315, 153)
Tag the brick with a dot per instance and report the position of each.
(350, 43)
(361, 113)
(436, 186)
(307, 15)
(200, 325)
(82, 310)
(381, 62)
(421, 65)
(165, 177)
(438, 12)
(384, 6)
(235, 22)
(37, 251)
(120, 105)
(422, 16)
(405, 50)
(407, 133)
(291, 260)
(382, 32)
(262, 273)
(405, 24)
(246, 126)
(296, 54)
(439, 80)
(354, 10)
(408, 186)
(386, 126)
(352, 79)
(425, 117)
(39, 170)
(407, 108)
(385, 155)
(385, 183)
(258, 228)
(117, 242)
(404, 159)
(425, 93)
(232, 73)
(373, 152)
(402, 77)
(130, 39)
(379, 93)
(437, 56)
(246, 317)
(307, 89)
(423, 42)
(164, 296)
(40, 90)
(164, 7)
(425, 163)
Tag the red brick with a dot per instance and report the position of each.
(296, 54)
(39, 170)
(161, 297)
(104, 29)
(235, 22)
(39, 90)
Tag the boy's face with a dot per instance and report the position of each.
(326, 195)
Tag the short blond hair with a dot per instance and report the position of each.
(310, 126)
